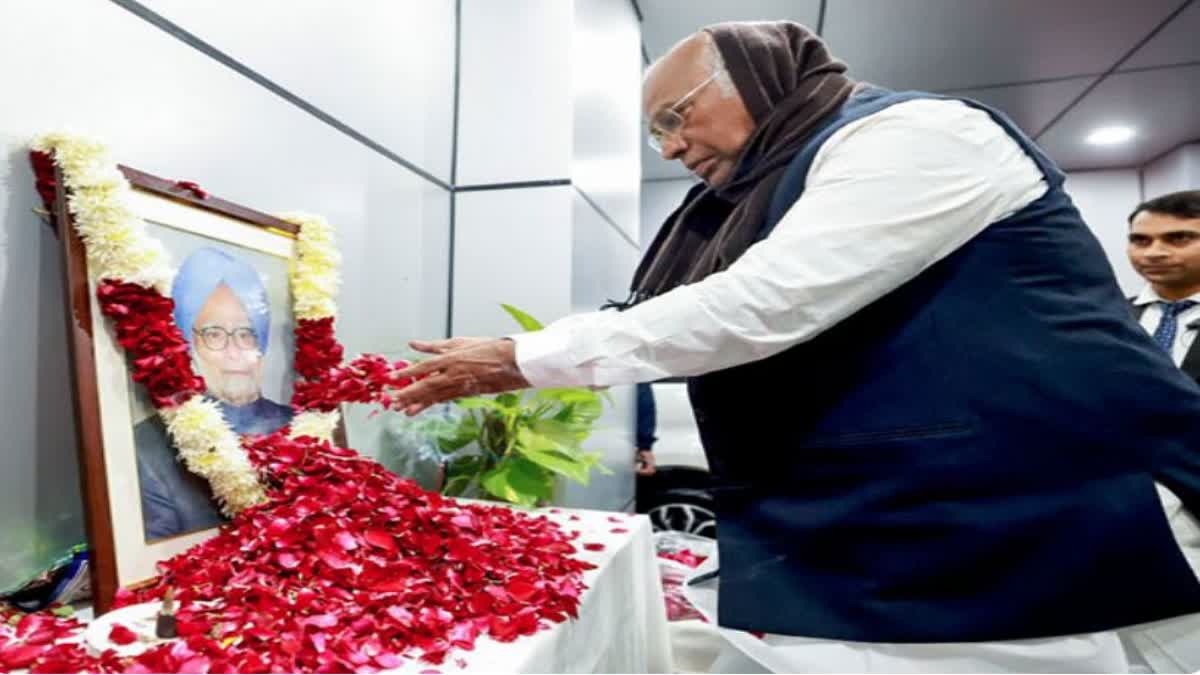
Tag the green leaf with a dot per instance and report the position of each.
(467, 465)
(561, 464)
(510, 400)
(478, 403)
(549, 455)
(63, 611)
(519, 481)
(456, 486)
(579, 405)
(450, 436)
(461, 472)
(568, 395)
(561, 433)
(524, 320)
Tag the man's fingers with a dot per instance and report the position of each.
(421, 368)
(443, 346)
(432, 346)
(414, 393)
(420, 395)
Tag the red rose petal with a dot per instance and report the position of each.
(334, 559)
(196, 664)
(381, 539)
(320, 621)
(521, 590)
(593, 547)
(120, 635)
(19, 655)
(346, 540)
(388, 660)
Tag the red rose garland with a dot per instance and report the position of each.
(144, 323)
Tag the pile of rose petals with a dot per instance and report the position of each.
(347, 568)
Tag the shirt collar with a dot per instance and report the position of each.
(1148, 296)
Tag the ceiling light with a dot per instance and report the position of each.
(1110, 135)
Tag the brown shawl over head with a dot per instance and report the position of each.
(789, 83)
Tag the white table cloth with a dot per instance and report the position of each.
(622, 624)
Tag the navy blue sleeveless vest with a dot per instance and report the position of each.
(970, 458)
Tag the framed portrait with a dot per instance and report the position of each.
(233, 304)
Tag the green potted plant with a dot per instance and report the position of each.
(517, 447)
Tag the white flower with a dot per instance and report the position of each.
(319, 425)
(209, 448)
(314, 272)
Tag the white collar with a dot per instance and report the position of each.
(1148, 296)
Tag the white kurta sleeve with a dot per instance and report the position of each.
(886, 197)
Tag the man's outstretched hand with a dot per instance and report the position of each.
(462, 367)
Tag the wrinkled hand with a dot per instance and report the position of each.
(644, 465)
(462, 367)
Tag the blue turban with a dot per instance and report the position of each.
(206, 269)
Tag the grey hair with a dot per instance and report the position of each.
(712, 58)
(716, 66)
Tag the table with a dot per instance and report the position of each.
(622, 624)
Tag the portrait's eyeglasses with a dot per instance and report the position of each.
(217, 338)
(668, 121)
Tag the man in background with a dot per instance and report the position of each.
(1164, 248)
(646, 423)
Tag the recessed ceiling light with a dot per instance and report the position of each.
(1110, 135)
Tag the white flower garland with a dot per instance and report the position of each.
(314, 271)
(210, 448)
(315, 278)
(117, 245)
(319, 425)
(118, 248)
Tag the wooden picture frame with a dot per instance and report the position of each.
(118, 556)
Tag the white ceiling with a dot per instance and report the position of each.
(1033, 59)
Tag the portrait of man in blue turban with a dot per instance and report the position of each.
(222, 307)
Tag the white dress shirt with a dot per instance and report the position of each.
(886, 197)
(1185, 336)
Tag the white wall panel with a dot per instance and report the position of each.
(1105, 198)
(605, 83)
(514, 99)
(659, 199)
(396, 271)
(512, 247)
(602, 266)
(168, 109)
(602, 259)
(386, 69)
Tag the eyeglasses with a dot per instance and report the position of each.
(668, 121)
(217, 338)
